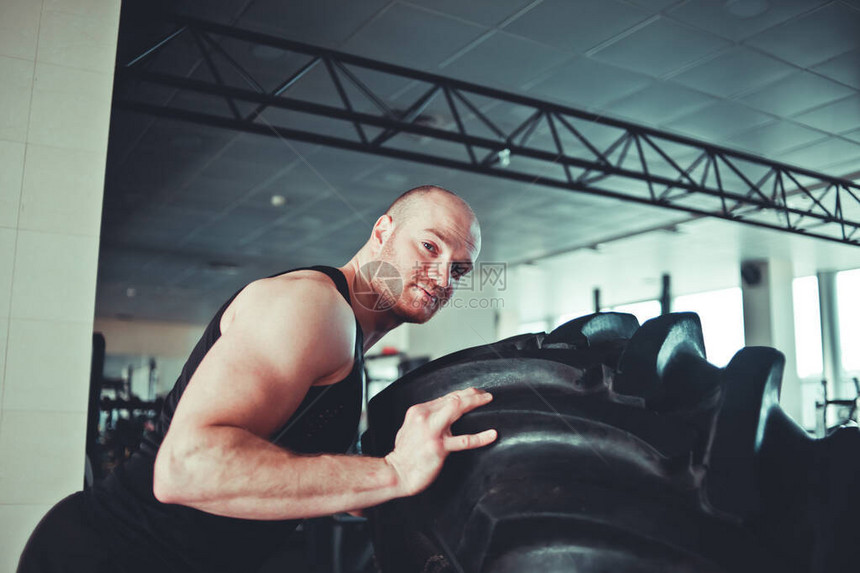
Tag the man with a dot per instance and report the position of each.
(252, 436)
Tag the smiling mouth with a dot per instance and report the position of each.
(434, 299)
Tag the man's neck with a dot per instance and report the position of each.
(374, 324)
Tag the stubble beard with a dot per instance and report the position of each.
(409, 307)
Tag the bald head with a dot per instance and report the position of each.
(407, 205)
(415, 202)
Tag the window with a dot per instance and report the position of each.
(534, 326)
(722, 316)
(848, 303)
(807, 328)
(645, 310)
(568, 317)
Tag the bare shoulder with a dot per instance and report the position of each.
(298, 305)
(292, 291)
(278, 338)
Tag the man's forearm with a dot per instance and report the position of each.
(231, 472)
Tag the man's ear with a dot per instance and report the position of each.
(382, 230)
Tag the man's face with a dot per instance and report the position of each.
(431, 250)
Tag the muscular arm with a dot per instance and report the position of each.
(215, 456)
(238, 474)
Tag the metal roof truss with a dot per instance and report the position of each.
(548, 144)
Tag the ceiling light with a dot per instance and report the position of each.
(278, 200)
(504, 157)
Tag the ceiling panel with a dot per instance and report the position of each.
(207, 104)
(385, 185)
(227, 232)
(122, 266)
(659, 102)
(165, 217)
(504, 60)
(836, 117)
(337, 168)
(410, 36)
(321, 22)
(576, 26)
(735, 71)
(217, 10)
(772, 139)
(853, 135)
(739, 20)
(210, 193)
(159, 178)
(145, 92)
(485, 12)
(252, 148)
(585, 83)
(319, 218)
(297, 183)
(814, 37)
(796, 93)
(661, 47)
(656, 5)
(844, 68)
(175, 140)
(719, 121)
(241, 175)
(824, 154)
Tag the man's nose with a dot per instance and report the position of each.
(444, 276)
(441, 275)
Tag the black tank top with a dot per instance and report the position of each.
(174, 537)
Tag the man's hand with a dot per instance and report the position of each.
(425, 440)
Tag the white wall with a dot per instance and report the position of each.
(451, 330)
(148, 338)
(56, 74)
(470, 319)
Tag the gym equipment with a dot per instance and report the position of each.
(847, 413)
(621, 449)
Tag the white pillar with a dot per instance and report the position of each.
(831, 351)
(769, 320)
(56, 77)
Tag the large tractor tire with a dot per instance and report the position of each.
(620, 449)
